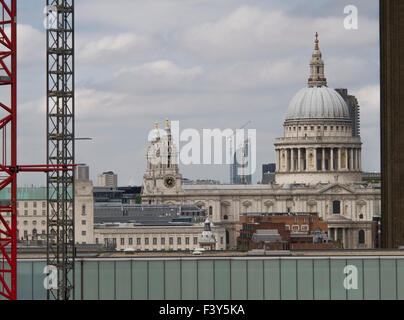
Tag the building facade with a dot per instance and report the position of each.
(318, 169)
(32, 211)
(108, 179)
(176, 237)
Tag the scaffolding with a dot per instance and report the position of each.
(60, 146)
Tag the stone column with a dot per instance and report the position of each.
(343, 237)
(351, 160)
(277, 164)
(339, 159)
(299, 159)
(332, 159)
(346, 159)
(307, 160)
(357, 159)
(360, 159)
(323, 159)
(292, 160)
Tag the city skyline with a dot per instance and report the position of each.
(188, 62)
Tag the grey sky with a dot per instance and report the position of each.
(206, 63)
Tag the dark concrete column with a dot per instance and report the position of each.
(392, 121)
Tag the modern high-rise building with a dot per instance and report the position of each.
(108, 179)
(240, 172)
(354, 111)
(268, 173)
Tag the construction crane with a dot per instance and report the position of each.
(60, 149)
(232, 152)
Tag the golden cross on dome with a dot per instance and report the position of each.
(316, 42)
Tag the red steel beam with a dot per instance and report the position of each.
(8, 163)
(8, 122)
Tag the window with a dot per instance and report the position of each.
(146, 241)
(25, 212)
(287, 227)
(114, 241)
(171, 241)
(25, 204)
(34, 204)
(34, 212)
(83, 210)
(130, 241)
(138, 241)
(295, 228)
(106, 241)
(43, 212)
(361, 216)
(25, 222)
(83, 233)
(305, 227)
(34, 222)
(336, 207)
(178, 240)
(163, 241)
(154, 241)
(43, 204)
(361, 237)
(96, 240)
(304, 220)
(210, 210)
(83, 222)
(295, 219)
(43, 222)
(221, 240)
(195, 240)
(187, 240)
(122, 241)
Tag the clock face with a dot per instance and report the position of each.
(169, 182)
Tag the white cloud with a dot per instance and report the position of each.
(369, 101)
(31, 46)
(251, 31)
(111, 49)
(156, 76)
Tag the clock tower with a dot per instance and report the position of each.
(162, 175)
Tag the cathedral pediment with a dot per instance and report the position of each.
(336, 189)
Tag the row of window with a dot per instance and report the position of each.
(147, 242)
(25, 222)
(35, 212)
(43, 222)
(34, 204)
(295, 228)
(342, 128)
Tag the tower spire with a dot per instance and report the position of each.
(317, 78)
